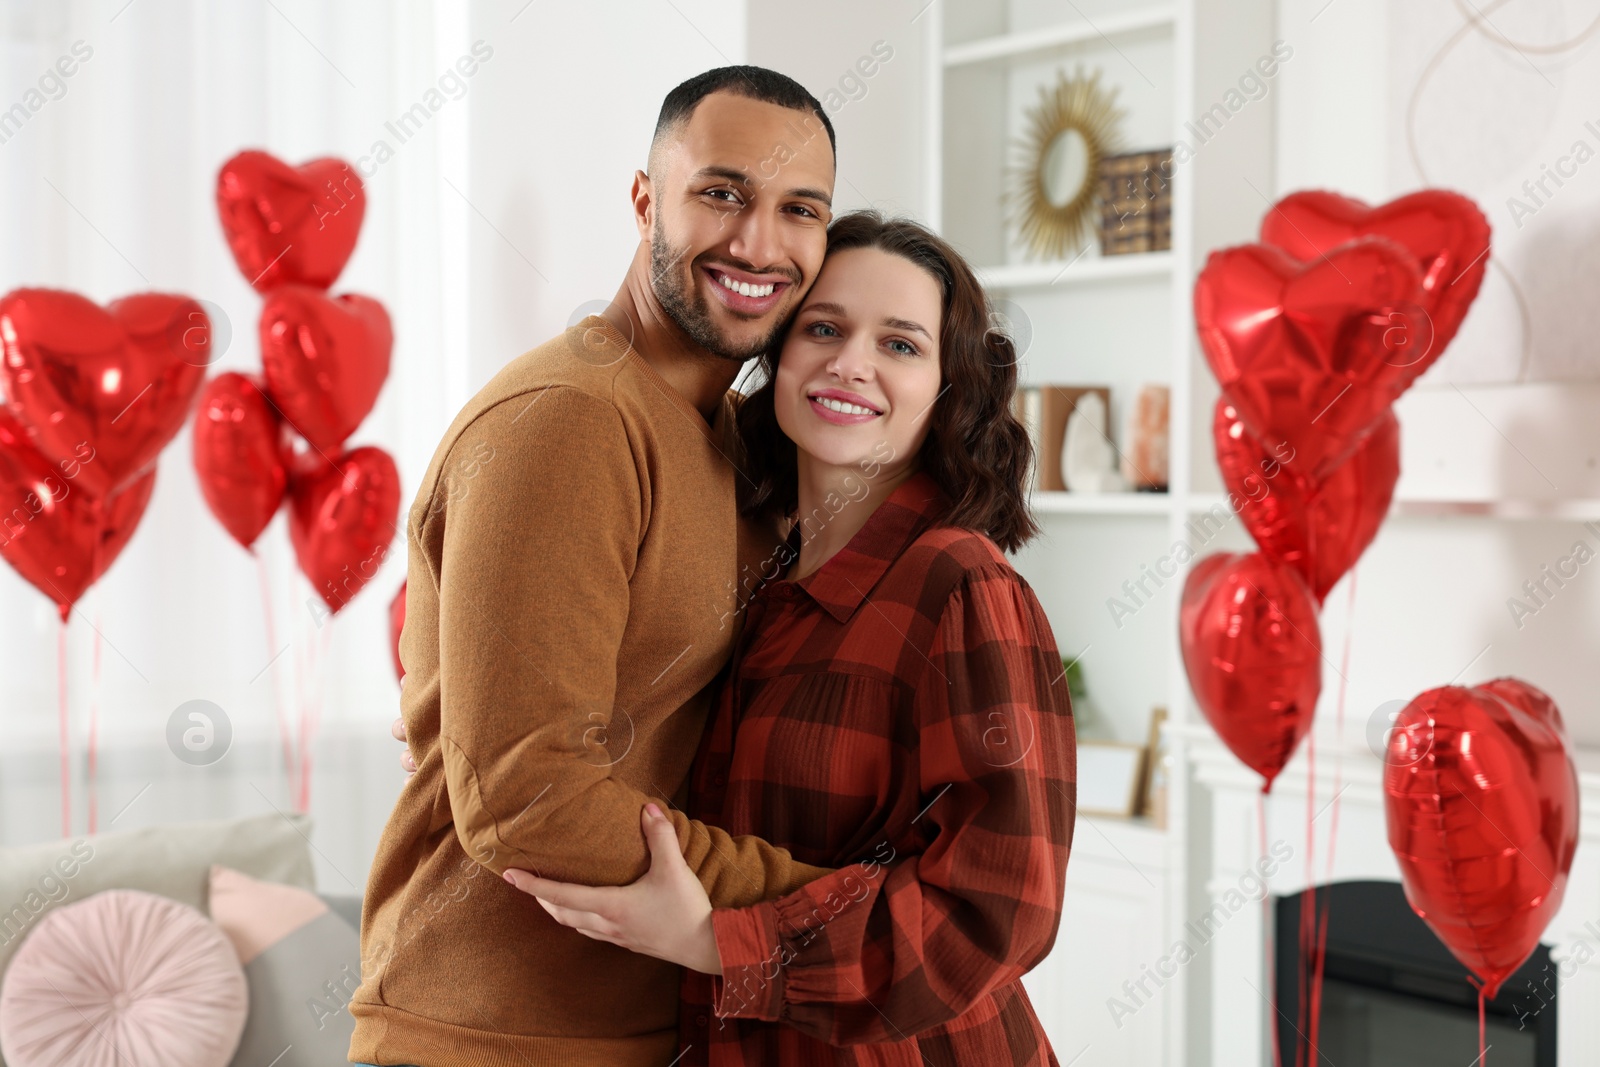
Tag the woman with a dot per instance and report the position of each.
(895, 707)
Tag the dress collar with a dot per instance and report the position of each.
(843, 582)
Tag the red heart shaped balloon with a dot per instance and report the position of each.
(342, 519)
(242, 454)
(1312, 354)
(324, 360)
(53, 533)
(1253, 654)
(101, 391)
(1319, 526)
(290, 225)
(1445, 233)
(397, 624)
(1481, 800)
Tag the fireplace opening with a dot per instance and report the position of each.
(1394, 996)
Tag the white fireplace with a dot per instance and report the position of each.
(1227, 992)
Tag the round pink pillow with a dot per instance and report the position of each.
(123, 979)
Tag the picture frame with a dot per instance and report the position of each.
(1110, 778)
(1152, 758)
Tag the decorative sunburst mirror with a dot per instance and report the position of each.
(1074, 125)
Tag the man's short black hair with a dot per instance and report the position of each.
(756, 83)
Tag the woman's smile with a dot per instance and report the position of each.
(842, 408)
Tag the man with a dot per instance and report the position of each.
(574, 551)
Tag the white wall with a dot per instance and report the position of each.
(1432, 594)
(110, 190)
(558, 130)
(876, 115)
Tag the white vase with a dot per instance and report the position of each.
(1088, 462)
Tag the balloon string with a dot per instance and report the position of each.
(272, 653)
(319, 693)
(61, 716)
(94, 731)
(1305, 1011)
(1344, 682)
(1483, 1052)
(1307, 901)
(307, 757)
(1267, 926)
(311, 721)
(1317, 965)
(299, 705)
(1319, 960)
(302, 655)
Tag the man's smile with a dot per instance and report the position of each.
(747, 293)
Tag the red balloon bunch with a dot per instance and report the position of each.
(91, 396)
(1312, 334)
(397, 624)
(324, 360)
(1481, 799)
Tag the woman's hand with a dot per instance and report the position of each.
(665, 914)
(398, 732)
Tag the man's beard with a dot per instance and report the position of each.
(686, 306)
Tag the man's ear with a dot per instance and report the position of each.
(644, 204)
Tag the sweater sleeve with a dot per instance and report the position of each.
(541, 512)
(914, 936)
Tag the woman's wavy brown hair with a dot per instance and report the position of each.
(976, 449)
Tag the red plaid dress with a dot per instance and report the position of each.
(900, 715)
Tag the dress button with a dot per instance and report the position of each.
(701, 1020)
(719, 779)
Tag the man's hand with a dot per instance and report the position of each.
(665, 914)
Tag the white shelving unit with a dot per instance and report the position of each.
(1015, 276)
(1120, 321)
(1567, 511)
(1054, 503)
(1046, 38)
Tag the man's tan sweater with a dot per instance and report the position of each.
(574, 556)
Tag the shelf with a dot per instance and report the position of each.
(1116, 833)
(1088, 269)
(1050, 502)
(1553, 510)
(1511, 510)
(1006, 46)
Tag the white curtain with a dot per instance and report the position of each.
(106, 189)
